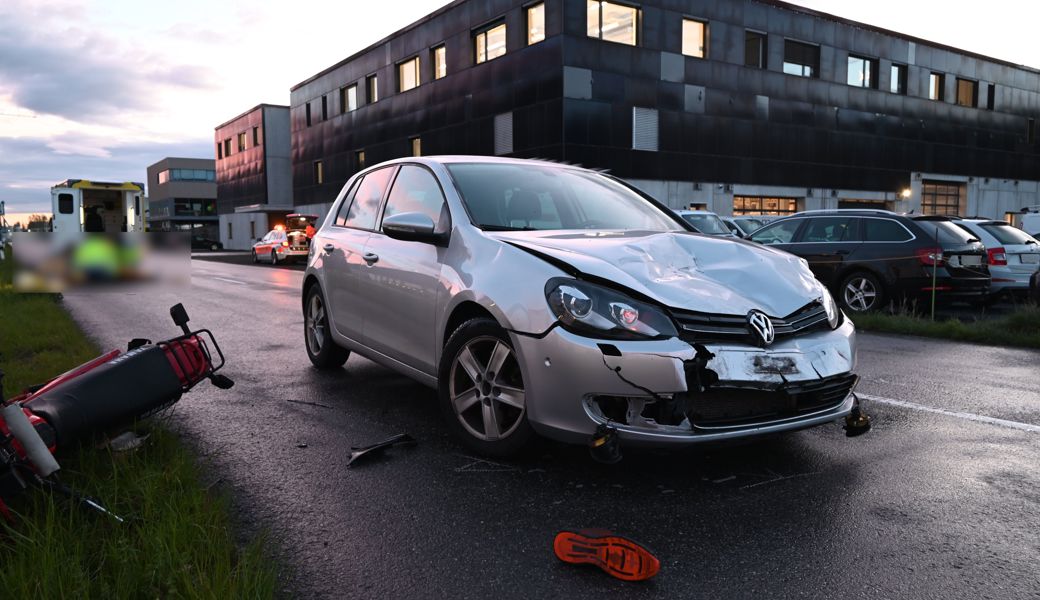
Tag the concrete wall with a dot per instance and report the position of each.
(242, 237)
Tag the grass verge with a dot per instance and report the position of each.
(1020, 328)
(179, 542)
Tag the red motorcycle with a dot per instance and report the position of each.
(114, 388)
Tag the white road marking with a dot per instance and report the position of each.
(235, 281)
(952, 413)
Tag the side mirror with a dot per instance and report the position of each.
(413, 227)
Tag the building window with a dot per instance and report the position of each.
(1031, 131)
(256, 137)
(359, 158)
(504, 134)
(324, 108)
(755, 49)
(695, 38)
(762, 205)
(319, 172)
(991, 96)
(612, 22)
(167, 175)
(348, 98)
(943, 198)
(967, 92)
(535, 23)
(220, 151)
(372, 89)
(241, 141)
(229, 230)
(644, 129)
(308, 108)
(416, 145)
(801, 59)
(408, 75)
(897, 85)
(936, 86)
(227, 147)
(252, 230)
(440, 62)
(491, 43)
(862, 72)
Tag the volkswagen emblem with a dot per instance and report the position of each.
(761, 326)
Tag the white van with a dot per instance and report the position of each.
(98, 206)
(1029, 221)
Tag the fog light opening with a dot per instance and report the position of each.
(605, 446)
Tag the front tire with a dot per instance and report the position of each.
(255, 259)
(861, 292)
(322, 351)
(481, 390)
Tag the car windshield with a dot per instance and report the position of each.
(1006, 234)
(709, 224)
(518, 197)
(749, 225)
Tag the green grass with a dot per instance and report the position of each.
(1020, 328)
(179, 543)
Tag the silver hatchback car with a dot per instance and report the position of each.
(540, 298)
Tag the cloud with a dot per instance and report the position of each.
(31, 166)
(83, 74)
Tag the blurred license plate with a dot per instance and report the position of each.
(1030, 259)
(968, 260)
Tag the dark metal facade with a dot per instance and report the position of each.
(242, 174)
(572, 99)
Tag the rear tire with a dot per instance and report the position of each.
(323, 352)
(861, 292)
(274, 258)
(482, 392)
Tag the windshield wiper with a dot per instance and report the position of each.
(504, 228)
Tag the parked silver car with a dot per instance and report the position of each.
(549, 299)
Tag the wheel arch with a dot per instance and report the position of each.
(464, 311)
(308, 282)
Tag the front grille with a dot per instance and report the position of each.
(737, 407)
(705, 327)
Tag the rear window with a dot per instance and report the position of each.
(65, 204)
(948, 233)
(884, 230)
(1006, 234)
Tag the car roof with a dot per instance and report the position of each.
(683, 211)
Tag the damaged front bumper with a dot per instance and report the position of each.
(669, 392)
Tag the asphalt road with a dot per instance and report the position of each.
(928, 505)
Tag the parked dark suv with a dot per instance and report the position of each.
(869, 257)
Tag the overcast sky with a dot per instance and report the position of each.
(101, 89)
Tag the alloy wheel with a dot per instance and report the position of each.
(486, 389)
(315, 324)
(860, 294)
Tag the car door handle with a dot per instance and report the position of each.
(370, 258)
(842, 253)
(329, 248)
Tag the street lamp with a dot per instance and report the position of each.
(906, 193)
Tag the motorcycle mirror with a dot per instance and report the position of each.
(179, 316)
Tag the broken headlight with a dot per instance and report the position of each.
(598, 311)
(834, 315)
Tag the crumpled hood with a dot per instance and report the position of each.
(683, 270)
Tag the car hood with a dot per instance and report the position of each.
(682, 270)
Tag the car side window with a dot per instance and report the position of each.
(365, 206)
(781, 232)
(828, 229)
(416, 190)
(341, 214)
(884, 230)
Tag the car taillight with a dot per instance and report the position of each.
(930, 257)
(997, 257)
(286, 244)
